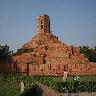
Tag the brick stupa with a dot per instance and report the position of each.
(51, 56)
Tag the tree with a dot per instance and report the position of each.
(5, 53)
(90, 53)
(95, 48)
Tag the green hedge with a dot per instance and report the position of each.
(76, 86)
(60, 86)
(68, 86)
(35, 90)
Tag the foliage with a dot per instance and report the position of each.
(76, 86)
(35, 90)
(24, 50)
(8, 87)
(90, 53)
(68, 86)
(11, 84)
(5, 53)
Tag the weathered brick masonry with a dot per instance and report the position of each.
(50, 56)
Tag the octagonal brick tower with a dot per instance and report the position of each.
(43, 24)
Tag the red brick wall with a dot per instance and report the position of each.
(49, 69)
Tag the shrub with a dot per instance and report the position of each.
(34, 91)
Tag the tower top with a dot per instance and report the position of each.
(43, 23)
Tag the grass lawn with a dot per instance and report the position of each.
(9, 89)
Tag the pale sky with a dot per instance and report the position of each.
(73, 21)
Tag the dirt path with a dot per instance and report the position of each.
(47, 91)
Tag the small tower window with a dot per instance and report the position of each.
(41, 21)
(44, 61)
(41, 26)
(50, 67)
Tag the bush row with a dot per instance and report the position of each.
(76, 86)
(68, 86)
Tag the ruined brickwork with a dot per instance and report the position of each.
(50, 55)
(43, 24)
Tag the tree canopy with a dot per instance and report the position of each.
(88, 52)
(5, 53)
